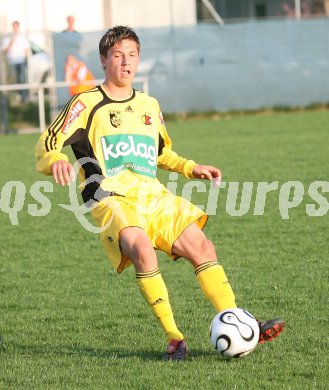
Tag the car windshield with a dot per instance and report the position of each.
(35, 49)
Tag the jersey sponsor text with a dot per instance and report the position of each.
(134, 152)
(74, 112)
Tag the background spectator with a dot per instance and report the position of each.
(17, 48)
(76, 70)
(70, 24)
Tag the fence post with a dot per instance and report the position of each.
(4, 124)
(42, 111)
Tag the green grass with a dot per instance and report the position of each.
(68, 321)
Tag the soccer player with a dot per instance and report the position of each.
(119, 137)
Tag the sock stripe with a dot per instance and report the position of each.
(149, 274)
(205, 266)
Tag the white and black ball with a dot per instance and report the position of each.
(234, 333)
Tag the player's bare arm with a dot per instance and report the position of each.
(62, 172)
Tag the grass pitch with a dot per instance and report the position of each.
(68, 321)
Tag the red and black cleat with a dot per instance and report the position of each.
(176, 350)
(269, 330)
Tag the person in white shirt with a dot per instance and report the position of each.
(17, 48)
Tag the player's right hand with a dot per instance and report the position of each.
(63, 172)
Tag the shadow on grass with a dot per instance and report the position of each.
(79, 351)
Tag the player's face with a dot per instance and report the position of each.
(121, 63)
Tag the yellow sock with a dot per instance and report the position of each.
(215, 286)
(155, 293)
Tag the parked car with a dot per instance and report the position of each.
(39, 65)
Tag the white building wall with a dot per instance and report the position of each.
(150, 13)
(40, 15)
(94, 15)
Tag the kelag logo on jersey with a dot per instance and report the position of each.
(134, 152)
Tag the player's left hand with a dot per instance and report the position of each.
(207, 172)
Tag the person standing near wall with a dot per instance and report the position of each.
(70, 24)
(78, 72)
(326, 6)
(17, 48)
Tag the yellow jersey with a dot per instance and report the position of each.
(119, 143)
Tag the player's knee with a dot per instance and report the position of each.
(143, 252)
(143, 256)
(207, 250)
(203, 251)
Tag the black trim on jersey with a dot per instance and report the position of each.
(116, 101)
(90, 169)
(161, 144)
(51, 139)
(82, 147)
(75, 137)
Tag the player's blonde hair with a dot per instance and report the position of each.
(116, 35)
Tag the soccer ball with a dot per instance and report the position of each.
(234, 333)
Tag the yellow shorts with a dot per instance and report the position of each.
(163, 216)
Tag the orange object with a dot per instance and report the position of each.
(76, 70)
